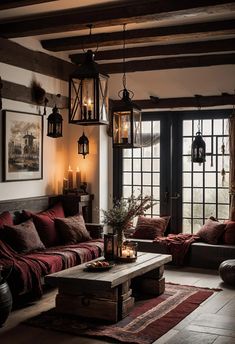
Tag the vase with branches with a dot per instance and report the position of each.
(120, 216)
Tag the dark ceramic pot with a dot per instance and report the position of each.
(5, 300)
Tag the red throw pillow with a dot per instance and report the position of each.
(44, 222)
(46, 229)
(211, 231)
(5, 219)
(229, 234)
(72, 229)
(23, 237)
(150, 227)
(56, 210)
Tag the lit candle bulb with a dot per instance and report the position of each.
(70, 178)
(125, 133)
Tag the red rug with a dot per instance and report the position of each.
(148, 321)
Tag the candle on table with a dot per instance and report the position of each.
(65, 183)
(70, 178)
(78, 178)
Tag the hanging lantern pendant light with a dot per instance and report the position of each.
(83, 145)
(88, 93)
(126, 116)
(198, 147)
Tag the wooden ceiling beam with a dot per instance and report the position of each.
(183, 102)
(6, 4)
(161, 49)
(157, 35)
(109, 14)
(169, 63)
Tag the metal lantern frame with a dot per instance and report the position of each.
(198, 147)
(83, 145)
(126, 115)
(55, 124)
(126, 122)
(88, 94)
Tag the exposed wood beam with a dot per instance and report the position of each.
(184, 102)
(109, 14)
(169, 63)
(161, 49)
(157, 35)
(19, 56)
(6, 4)
(22, 93)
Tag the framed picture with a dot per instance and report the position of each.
(22, 146)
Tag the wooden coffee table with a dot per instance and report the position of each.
(108, 294)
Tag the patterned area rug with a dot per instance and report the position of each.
(148, 321)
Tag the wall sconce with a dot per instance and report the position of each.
(83, 145)
(54, 124)
(126, 116)
(88, 93)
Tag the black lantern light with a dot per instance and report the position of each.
(83, 145)
(54, 124)
(198, 147)
(88, 93)
(126, 116)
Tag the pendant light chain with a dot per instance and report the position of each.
(124, 57)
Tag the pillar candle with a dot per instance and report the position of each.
(65, 183)
(70, 178)
(78, 178)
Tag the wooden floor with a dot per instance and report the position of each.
(212, 322)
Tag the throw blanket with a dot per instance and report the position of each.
(177, 245)
(28, 269)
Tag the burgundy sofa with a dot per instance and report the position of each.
(29, 268)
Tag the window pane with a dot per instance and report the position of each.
(187, 179)
(156, 165)
(186, 195)
(147, 179)
(187, 143)
(223, 196)
(210, 195)
(197, 224)
(127, 191)
(187, 164)
(210, 210)
(146, 165)
(198, 195)
(187, 128)
(156, 178)
(197, 210)
(127, 164)
(186, 210)
(136, 178)
(127, 178)
(210, 179)
(223, 211)
(197, 180)
(137, 164)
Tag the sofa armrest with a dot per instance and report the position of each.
(95, 230)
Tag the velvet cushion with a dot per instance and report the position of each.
(23, 237)
(229, 234)
(150, 227)
(5, 219)
(44, 222)
(46, 229)
(72, 229)
(211, 231)
(55, 211)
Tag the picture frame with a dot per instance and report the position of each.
(22, 146)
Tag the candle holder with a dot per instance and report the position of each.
(110, 246)
(129, 252)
